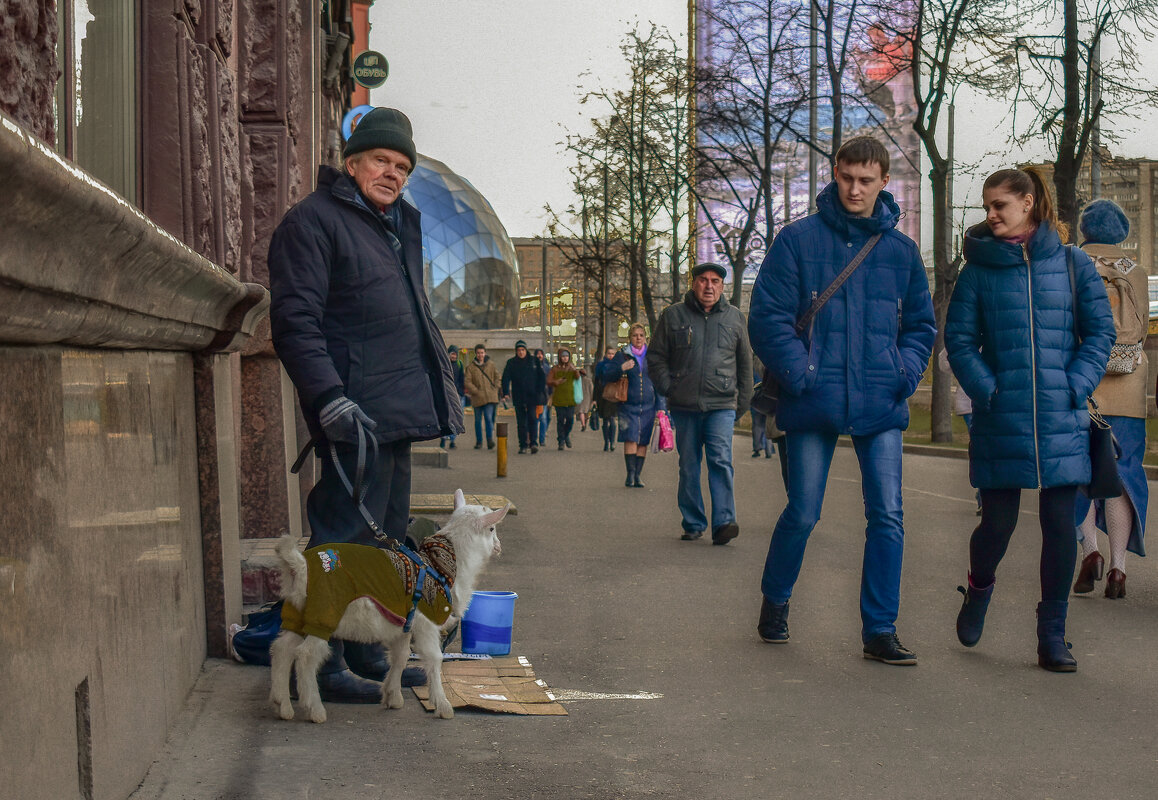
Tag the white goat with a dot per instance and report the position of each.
(469, 536)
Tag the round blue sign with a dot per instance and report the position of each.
(350, 121)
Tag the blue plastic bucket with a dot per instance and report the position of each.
(486, 628)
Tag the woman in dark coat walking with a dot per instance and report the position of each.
(1011, 339)
(636, 416)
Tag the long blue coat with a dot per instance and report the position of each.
(852, 372)
(1010, 338)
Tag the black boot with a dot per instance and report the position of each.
(369, 661)
(773, 625)
(638, 484)
(1053, 651)
(337, 684)
(629, 460)
(971, 617)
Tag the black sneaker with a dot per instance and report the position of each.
(478, 445)
(534, 449)
(725, 533)
(691, 536)
(490, 444)
(773, 624)
(887, 648)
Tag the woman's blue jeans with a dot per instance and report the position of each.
(487, 413)
(701, 434)
(809, 458)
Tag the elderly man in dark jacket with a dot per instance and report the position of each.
(700, 360)
(850, 372)
(352, 325)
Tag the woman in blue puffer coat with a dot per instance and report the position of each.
(1010, 334)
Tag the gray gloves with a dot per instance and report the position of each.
(339, 419)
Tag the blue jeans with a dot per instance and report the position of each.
(699, 434)
(544, 423)
(809, 458)
(487, 413)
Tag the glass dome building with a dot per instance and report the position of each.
(472, 275)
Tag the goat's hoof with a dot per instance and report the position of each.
(285, 710)
(444, 710)
(318, 714)
(393, 698)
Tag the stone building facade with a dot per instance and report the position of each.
(147, 151)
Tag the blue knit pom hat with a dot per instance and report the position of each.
(1104, 222)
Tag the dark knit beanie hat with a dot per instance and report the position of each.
(521, 344)
(383, 127)
(1103, 222)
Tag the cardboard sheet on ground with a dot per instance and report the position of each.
(506, 685)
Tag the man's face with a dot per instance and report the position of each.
(858, 186)
(707, 287)
(380, 174)
(609, 352)
(480, 353)
(521, 352)
(453, 355)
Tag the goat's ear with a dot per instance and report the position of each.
(495, 517)
(459, 500)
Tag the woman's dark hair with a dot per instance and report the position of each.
(1029, 181)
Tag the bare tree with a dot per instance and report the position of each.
(1074, 88)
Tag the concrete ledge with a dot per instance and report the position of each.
(429, 457)
(444, 503)
(81, 266)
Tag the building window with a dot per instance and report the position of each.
(96, 97)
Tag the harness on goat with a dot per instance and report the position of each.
(357, 490)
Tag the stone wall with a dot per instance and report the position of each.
(28, 69)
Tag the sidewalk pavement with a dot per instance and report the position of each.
(651, 642)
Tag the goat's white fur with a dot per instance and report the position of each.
(471, 532)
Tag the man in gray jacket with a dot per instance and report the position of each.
(700, 360)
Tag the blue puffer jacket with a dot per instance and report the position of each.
(870, 343)
(1010, 338)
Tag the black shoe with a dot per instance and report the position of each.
(606, 447)
(522, 451)
(452, 445)
(567, 442)
(613, 447)
(1053, 651)
(773, 624)
(534, 449)
(478, 445)
(887, 648)
(691, 536)
(725, 533)
(560, 445)
(971, 617)
(490, 444)
(767, 455)
(755, 454)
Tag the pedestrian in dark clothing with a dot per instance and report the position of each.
(352, 325)
(701, 362)
(543, 421)
(1029, 351)
(525, 385)
(850, 372)
(636, 414)
(608, 409)
(460, 384)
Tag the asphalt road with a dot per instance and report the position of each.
(611, 602)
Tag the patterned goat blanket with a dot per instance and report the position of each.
(339, 574)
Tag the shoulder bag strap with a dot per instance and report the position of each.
(1073, 289)
(806, 319)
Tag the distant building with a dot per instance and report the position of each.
(1132, 183)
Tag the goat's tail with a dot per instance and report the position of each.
(293, 571)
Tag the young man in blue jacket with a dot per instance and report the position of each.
(850, 372)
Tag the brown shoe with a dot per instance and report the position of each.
(1092, 566)
(1116, 584)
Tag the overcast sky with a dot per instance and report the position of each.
(492, 86)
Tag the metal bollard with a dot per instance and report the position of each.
(501, 448)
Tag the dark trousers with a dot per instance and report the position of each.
(564, 422)
(609, 429)
(333, 515)
(526, 420)
(990, 540)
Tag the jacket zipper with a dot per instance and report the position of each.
(1032, 361)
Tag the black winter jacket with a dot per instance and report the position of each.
(525, 381)
(347, 316)
(701, 361)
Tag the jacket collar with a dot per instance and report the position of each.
(886, 214)
(691, 302)
(342, 186)
(982, 247)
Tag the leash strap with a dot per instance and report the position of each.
(806, 318)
